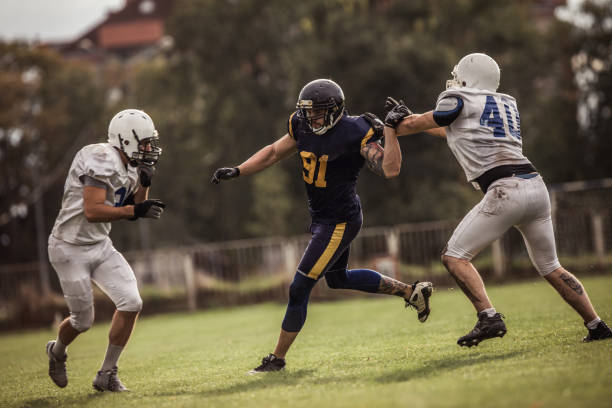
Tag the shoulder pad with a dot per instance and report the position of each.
(291, 122)
(376, 123)
(98, 162)
(448, 103)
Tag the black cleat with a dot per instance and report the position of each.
(269, 363)
(486, 328)
(419, 299)
(602, 331)
(57, 366)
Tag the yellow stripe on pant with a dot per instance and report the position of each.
(334, 243)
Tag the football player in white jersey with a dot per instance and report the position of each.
(482, 128)
(106, 182)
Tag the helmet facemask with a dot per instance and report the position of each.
(148, 151)
(312, 113)
(454, 81)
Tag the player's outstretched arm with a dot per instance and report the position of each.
(264, 158)
(400, 118)
(417, 123)
(437, 132)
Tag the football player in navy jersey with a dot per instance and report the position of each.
(333, 147)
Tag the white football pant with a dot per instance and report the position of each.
(511, 201)
(78, 265)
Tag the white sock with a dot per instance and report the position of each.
(59, 348)
(112, 356)
(490, 311)
(593, 323)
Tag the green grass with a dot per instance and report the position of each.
(366, 352)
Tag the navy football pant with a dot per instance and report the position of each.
(327, 255)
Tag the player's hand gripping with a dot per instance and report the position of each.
(224, 173)
(149, 209)
(145, 174)
(397, 112)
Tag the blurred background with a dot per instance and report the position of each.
(221, 77)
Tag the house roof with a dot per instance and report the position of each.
(139, 24)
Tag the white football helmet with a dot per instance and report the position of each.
(475, 71)
(132, 131)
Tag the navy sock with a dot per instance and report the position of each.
(365, 280)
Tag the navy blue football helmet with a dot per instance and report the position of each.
(321, 98)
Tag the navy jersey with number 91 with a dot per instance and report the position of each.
(330, 166)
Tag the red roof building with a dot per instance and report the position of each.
(137, 27)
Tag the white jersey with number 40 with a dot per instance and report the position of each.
(487, 132)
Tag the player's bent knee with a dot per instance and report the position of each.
(81, 321)
(333, 282)
(336, 279)
(549, 268)
(130, 304)
(451, 263)
(298, 292)
(300, 288)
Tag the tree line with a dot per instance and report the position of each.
(231, 80)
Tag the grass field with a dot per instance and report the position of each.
(355, 353)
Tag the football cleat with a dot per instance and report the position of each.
(602, 331)
(107, 380)
(486, 328)
(57, 366)
(269, 363)
(419, 299)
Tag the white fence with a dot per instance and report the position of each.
(256, 269)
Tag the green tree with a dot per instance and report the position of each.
(229, 84)
(593, 70)
(49, 109)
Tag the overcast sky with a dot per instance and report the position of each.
(49, 20)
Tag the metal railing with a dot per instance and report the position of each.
(251, 270)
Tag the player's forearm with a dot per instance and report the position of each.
(392, 160)
(106, 213)
(416, 123)
(261, 160)
(141, 195)
(437, 132)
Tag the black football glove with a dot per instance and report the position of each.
(145, 174)
(149, 209)
(224, 173)
(397, 112)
